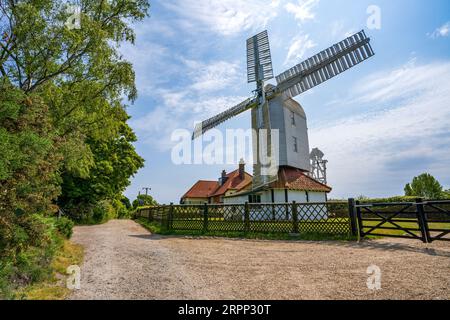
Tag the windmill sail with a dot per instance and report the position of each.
(213, 122)
(259, 59)
(325, 65)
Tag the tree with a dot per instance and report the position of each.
(29, 153)
(144, 200)
(446, 194)
(81, 80)
(126, 202)
(425, 186)
(115, 161)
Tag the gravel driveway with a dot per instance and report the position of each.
(124, 261)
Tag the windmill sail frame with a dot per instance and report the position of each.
(325, 65)
(259, 58)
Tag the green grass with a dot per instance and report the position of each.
(316, 229)
(412, 225)
(156, 228)
(54, 288)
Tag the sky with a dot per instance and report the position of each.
(379, 124)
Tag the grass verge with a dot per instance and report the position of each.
(54, 288)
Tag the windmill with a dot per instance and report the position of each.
(272, 107)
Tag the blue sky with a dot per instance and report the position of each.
(379, 124)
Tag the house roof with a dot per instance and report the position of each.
(206, 189)
(202, 189)
(295, 179)
(233, 182)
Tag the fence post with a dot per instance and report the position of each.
(360, 221)
(294, 218)
(247, 218)
(352, 215)
(422, 220)
(170, 217)
(150, 211)
(205, 218)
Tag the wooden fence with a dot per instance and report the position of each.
(427, 221)
(306, 218)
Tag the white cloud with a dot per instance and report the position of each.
(149, 60)
(410, 80)
(298, 48)
(180, 110)
(183, 105)
(442, 31)
(339, 31)
(303, 10)
(413, 132)
(226, 17)
(215, 76)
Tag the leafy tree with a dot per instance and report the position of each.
(62, 117)
(81, 79)
(115, 161)
(446, 194)
(126, 202)
(29, 154)
(425, 186)
(144, 200)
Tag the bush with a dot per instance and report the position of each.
(387, 200)
(27, 249)
(65, 227)
(101, 212)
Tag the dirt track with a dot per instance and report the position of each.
(124, 261)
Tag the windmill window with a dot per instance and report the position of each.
(295, 144)
(293, 118)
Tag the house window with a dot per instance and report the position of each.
(254, 198)
(295, 144)
(293, 118)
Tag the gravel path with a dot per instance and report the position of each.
(124, 261)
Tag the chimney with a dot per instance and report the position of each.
(242, 169)
(223, 178)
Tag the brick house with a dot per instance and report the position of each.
(214, 192)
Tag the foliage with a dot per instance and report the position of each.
(65, 227)
(64, 137)
(144, 200)
(27, 248)
(115, 161)
(365, 199)
(387, 200)
(446, 194)
(30, 156)
(53, 288)
(80, 79)
(126, 202)
(425, 186)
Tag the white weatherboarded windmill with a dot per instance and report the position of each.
(279, 123)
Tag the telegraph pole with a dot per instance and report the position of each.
(146, 190)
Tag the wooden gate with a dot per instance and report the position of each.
(427, 221)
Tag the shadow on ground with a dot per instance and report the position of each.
(365, 244)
